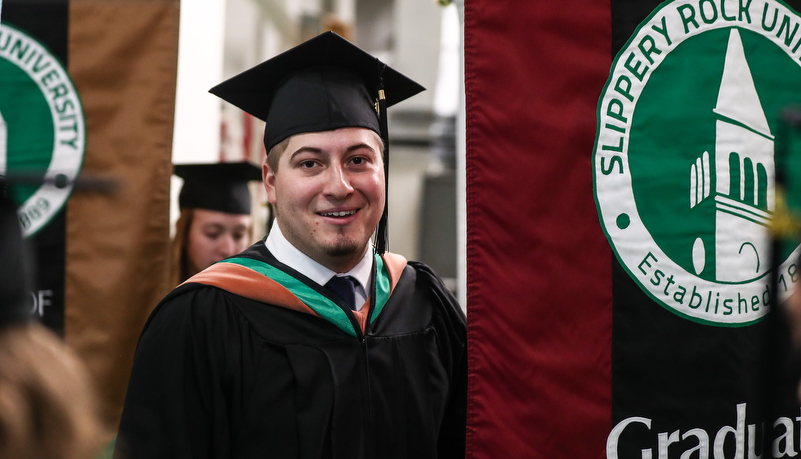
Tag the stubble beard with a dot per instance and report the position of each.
(339, 253)
(343, 248)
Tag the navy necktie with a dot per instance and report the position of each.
(343, 287)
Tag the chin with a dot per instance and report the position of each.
(346, 248)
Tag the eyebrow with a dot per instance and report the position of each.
(220, 226)
(319, 151)
(316, 151)
(212, 226)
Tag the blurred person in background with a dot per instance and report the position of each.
(48, 408)
(215, 216)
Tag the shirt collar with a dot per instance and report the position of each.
(288, 254)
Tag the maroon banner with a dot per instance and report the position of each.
(623, 174)
(539, 267)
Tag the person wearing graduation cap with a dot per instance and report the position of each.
(312, 343)
(214, 221)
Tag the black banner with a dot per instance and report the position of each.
(686, 388)
(47, 22)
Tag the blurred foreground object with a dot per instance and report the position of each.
(15, 270)
(103, 261)
(786, 225)
(48, 408)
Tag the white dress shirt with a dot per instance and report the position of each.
(288, 254)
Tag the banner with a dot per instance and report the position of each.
(123, 58)
(620, 174)
(42, 133)
(97, 105)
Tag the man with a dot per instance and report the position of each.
(311, 344)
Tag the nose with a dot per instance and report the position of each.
(338, 182)
(227, 246)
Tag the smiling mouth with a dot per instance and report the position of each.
(346, 213)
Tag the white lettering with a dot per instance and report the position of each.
(39, 300)
(614, 437)
(739, 436)
(703, 444)
(664, 440)
(783, 445)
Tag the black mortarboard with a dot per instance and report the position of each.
(222, 186)
(15, 265)
(323, 84)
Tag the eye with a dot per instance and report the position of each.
(212, 234)
(308, 164)
(212, 231)
(360, 160)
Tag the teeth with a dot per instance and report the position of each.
(338, 214)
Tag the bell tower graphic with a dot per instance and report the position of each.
(743, 175)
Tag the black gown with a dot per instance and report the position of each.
(220, 375)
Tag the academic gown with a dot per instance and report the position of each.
(251, 359)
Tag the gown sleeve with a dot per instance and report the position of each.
(450, 322)
(176, 405)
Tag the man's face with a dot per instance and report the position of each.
(328, 194)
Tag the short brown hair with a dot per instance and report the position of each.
(274, 155)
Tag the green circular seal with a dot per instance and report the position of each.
(684, 159)
(42, 128)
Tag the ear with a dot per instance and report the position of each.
(268, 178)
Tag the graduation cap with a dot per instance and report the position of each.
(222, 186)
(323, 84)
(15, 265)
